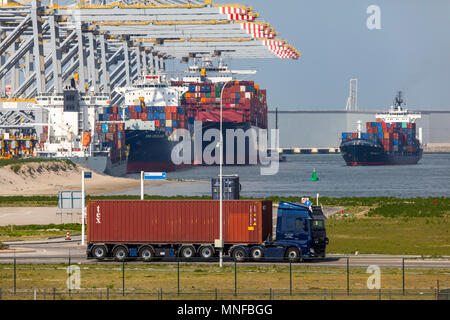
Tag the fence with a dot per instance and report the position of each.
(67, 277)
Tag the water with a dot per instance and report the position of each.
(431, 177)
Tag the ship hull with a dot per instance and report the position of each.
(363, 153)
(239, 153)
(150, 152)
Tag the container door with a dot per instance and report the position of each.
(238, 228)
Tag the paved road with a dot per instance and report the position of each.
(36, 215)
(59, 250)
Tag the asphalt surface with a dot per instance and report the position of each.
(59, 250)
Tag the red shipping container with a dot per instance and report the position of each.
(177, 221)
(157, 123)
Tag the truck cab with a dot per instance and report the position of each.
(300, 233)
(303, 227)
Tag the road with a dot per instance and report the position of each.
(58, 251)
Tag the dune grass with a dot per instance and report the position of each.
(19, 162)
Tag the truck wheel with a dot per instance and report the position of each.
(99, 252)
(238, 254)
(293, 254)
(256, 254)
(206, 252)
(187, 252)
(120, 253)
(146, 253)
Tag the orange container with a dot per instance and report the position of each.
(177, 221)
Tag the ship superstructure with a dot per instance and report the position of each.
(71, 130)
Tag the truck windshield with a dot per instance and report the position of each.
(317, 225)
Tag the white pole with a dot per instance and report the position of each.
(83, 212)
(317, 197)
(142, 185)
(220, 175)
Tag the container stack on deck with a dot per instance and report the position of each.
(243, 101)
(162, 119)
(110, 131)
(394, 137)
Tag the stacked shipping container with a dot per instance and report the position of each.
(394, 137)
(243, 101)
(163, 119)
(110, 132)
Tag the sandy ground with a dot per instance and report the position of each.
(49, 178)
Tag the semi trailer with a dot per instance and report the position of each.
(151, 229)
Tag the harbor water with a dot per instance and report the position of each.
(429, 178)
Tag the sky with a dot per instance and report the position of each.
(410, 53)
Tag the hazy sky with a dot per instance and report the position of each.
(410, 52)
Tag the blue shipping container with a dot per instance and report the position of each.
(105, 128)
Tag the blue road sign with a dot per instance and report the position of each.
(88, 175)
(154, 176)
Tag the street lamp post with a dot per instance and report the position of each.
(220, 174)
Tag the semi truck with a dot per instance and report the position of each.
(153, 229)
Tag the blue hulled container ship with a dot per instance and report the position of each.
(389, 141)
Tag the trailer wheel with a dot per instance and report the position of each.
(293, 254)
(120, 253)
(187, 252)
(146, 253)
(257, 254)
(206, 252)
(239, 254)
(99, 252)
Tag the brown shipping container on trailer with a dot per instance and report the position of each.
(177, 221)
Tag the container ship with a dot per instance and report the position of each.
(391, 140)
(156, 106)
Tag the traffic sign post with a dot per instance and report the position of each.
(151, 176)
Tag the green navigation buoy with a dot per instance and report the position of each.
(314, 176)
